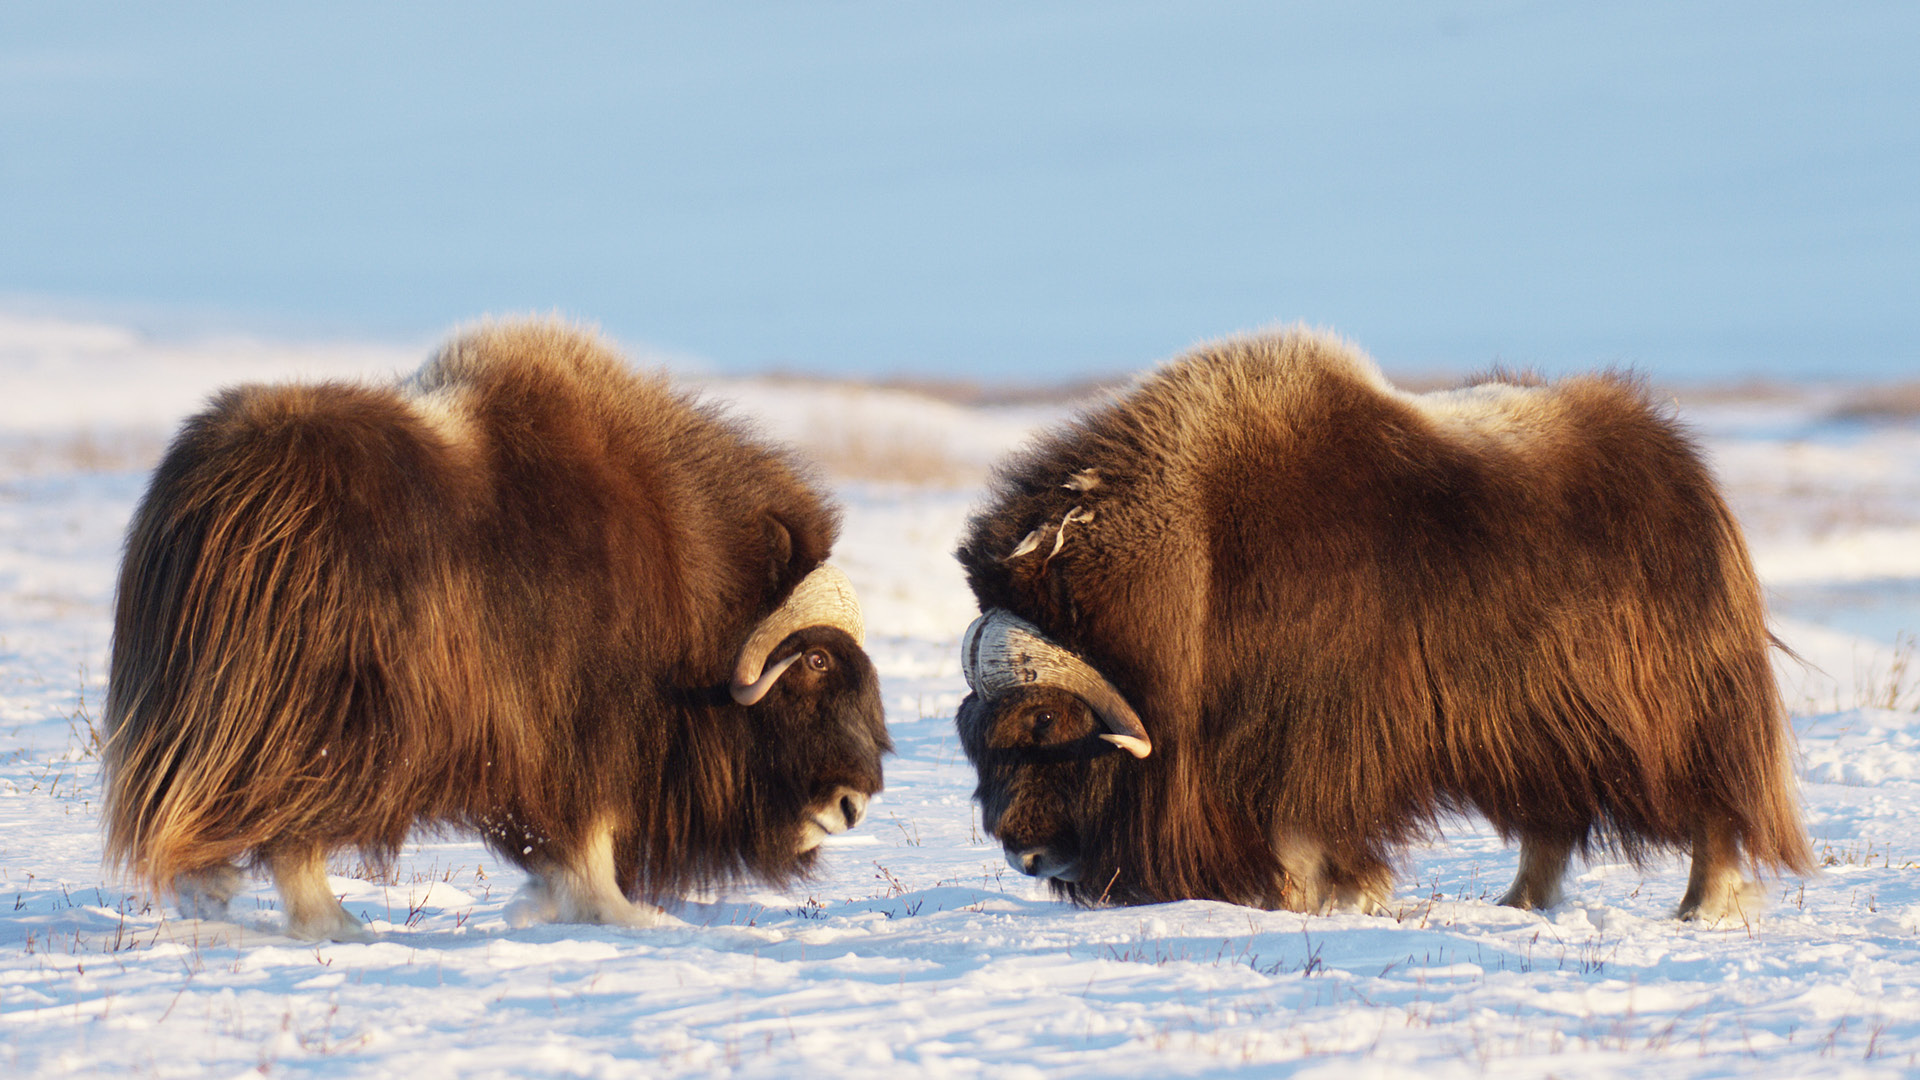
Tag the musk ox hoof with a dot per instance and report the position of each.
(313, 911)
(1307, 887)
(1527, 898)
(1371, 903)
(1364, 899)
(555, 900)
(1543, 866)
(330, 923)
(535, 907)
(1519, 901)
(1727, 900)
(527, 911)
(204, 894)
(530, 907)
(1339, 901)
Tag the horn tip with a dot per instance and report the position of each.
(1137, 747)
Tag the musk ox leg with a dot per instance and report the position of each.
(584, 892)
(1716, 890)
(1543, 863)
(313, 912)
(205, 893)
(1304, 862)
(1365, 891)
(1313, 886)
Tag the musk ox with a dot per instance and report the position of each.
(525, 592)
(1257, 623)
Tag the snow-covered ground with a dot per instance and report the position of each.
(917, 951)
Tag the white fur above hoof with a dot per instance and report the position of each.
(1733, 901)
(542, 901)
(205, 894)
(1526, 900)
(324, 925)
(529, 907)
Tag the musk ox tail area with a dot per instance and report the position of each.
(282, 633)
(1747, 740)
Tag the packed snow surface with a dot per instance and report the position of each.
(917, 951)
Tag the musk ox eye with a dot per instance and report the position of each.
(818, 660)
(1043, 722)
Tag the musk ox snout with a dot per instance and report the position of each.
(1044, 863)
(821, 719)
(1043, 768)
(1037, 839)
(852, 806)
(842, 809)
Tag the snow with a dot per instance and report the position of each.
(917, 951)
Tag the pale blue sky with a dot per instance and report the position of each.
(1032, 191)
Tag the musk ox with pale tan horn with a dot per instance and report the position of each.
(527, 593)
(1257, 623)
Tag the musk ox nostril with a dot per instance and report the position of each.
(853, 807)
(1028, 861)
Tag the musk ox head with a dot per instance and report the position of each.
(1048, 736)
(814, 719)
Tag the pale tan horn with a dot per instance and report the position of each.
(823, 598)
(1002, 652)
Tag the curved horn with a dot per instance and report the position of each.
(751, 693)
(1001, 652)
(823, 598)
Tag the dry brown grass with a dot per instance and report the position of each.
(1898, 686)
(975, 394)
(1868, 402)
(1890, 403)
(1731, 392)
(79, 452)
(967, 393)
(887, 458)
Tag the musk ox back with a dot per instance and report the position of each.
(526, 593)
(1254, 625)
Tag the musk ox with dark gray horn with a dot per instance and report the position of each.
(526, 593)
(1260, 621)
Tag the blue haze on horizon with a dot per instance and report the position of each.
(1034, 192)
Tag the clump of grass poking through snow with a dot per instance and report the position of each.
(1897, 688)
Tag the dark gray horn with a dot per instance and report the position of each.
(823, 598)
(1002, 652)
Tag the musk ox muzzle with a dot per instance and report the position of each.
(1043, 863)
(842, 809)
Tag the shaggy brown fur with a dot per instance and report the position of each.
(1343, 612)
(503, 596)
